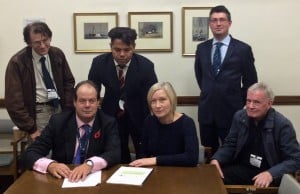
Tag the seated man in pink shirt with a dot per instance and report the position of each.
(86, 137)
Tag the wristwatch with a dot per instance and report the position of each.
(90, 163)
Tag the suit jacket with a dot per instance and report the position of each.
(280, 145)
(139, 78)
(222, 95)
(60, 136)
(20, 86)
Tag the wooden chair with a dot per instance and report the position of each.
(250, 189)
(12, 145)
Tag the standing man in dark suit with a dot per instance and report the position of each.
(28, 100)
(65, 133)
(126, 77)
(224, 69)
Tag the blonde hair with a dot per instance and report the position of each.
(168, 88)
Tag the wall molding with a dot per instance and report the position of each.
(2, 103)
(279, 100)
(193, 100)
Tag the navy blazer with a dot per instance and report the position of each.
(222, 95)
(60, 136)
(139, 78)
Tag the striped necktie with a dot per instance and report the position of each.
(121, 75)
(217, 58)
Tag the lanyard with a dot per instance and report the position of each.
(83, 142)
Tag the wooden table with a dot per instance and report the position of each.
(167, 180)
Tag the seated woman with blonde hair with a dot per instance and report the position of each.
(169, 138)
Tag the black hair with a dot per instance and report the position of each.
(127, 35)
(220, 9)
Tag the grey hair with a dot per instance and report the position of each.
(263, 87)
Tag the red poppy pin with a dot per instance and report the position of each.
(97, 134)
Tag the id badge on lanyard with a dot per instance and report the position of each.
(52, 94)
(255, 160)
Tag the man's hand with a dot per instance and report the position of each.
(80, 173)
(35, 134)
(263, 179)
(59, 170)
(215, 162)
(144, 162)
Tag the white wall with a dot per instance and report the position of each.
(271, 27)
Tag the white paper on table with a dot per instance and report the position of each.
(90, 181)
(130, 175)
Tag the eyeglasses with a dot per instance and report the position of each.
(45, 41)
(216, 20)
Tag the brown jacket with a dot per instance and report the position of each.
(20, 86)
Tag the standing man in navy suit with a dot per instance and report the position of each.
(127, 78)
(223, 86)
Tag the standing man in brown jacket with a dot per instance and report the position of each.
(29, 99)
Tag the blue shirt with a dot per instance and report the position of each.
(223, 48)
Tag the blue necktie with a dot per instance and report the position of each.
(83, 144)
(217, 58)
(48, 80)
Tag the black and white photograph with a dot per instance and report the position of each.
(195, 28)
(154, 29)
(95, 30)
(91, 31)
(200, 28)
(150, 30)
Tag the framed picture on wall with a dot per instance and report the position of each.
(195, 28)
(91, 31)
(154, 30)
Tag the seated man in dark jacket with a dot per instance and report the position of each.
(261, 145)
(85, 136)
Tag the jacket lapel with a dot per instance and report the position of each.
(95, 135)
(207, 54)
(70, 138)
(228, 53)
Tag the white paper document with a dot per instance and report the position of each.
(90, 181)
(130, 175)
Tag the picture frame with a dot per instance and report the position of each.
(91, 31)
(154, 30)
(195, 28)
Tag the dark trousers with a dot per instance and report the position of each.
(126, 128)
(239, 174)
(211, 135)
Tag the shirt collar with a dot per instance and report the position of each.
(225, 41)
(80, 122)
(36, 57)
(126, 65)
